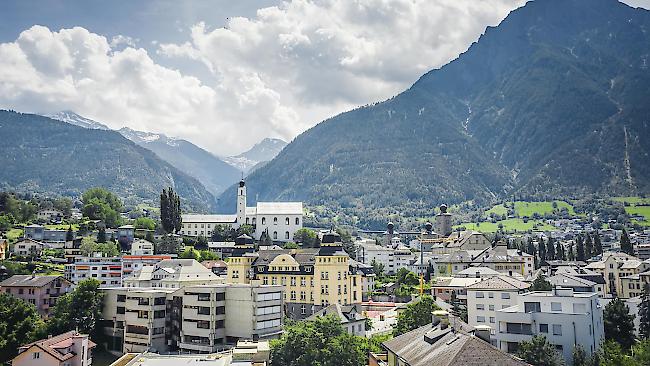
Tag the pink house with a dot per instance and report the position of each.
(67, 349)
(41, 291)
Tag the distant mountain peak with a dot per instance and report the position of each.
(73, 118)
(261, 152)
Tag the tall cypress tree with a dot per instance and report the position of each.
(571, 255)
(550, 249)
(589, 247)
(541, 247)
(530, 247)
(559, 251)
(165, 212)
(580, 249)
(598, 246)
(626, 244)
(644, 313)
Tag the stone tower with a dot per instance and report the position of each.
(443, 222)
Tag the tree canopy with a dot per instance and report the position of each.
(539, 352)
(19, 324)
(100, 204)
(80, 309)
(170, 210)
(417, 314)
(619, 323)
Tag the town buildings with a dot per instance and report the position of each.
(613, 266)
(510, 262)
(40, 291)
(49, 215)
(43, 234)
(484, 298)
(564, 317)
(67, 349)
(312, 278)
(141, 247)
(190, 318)
(172, 273)
(133, 263)
(278, 220)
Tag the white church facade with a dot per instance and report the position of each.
(279, 219)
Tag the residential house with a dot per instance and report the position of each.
(613, 266)
(49, 215)
(142, 247)
(67, 349)
(499, 258)
(28, 248)
(40, 291)
(172, 273)
(578, 284)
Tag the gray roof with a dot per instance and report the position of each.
(567, 280)
(28, 281)
(432, 346)
(346, 313)
(279, 208)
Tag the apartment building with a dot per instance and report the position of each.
(172, 273)
(566, 318)
(312, 278)
(132, 264)
(484, 298)
(106, 270)
(142, 247)
(67, 349)
(191, 319)
(613, 266)
(578, 284)
(41, 291)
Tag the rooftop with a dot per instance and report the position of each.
(29, 281)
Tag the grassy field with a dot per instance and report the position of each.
(14, 234)
(509, 225)
(75, 227)
(528, 209)
(497, 210)
(639, 210)
(633, 200)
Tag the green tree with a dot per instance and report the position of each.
(580, 249)
(145, 223)
(644, 312)
(63, 204)
(306, 237)
(619, 323)
(457, 308)
(167, 245)
(100, 204)
(550, 249)
(598, 246)
(220, 233)
(101, 235)
(541, 284)
(626, 244)
(321, 342)
(245, 229)
(348, 244)
(190, 253)
(589, 246)
(539, 352)
(417, 314)
(571, 255)
(170, 211)
(6, 222)
(377, 268)
(290, 245)
(559, 251)
(612, 354)
(19, 324)
(641, 352)
(207, 255)
(88, 246)
(80, 309)
(580, 357)
(541, 248)
(69, 235)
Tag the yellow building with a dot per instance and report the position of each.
(312, 278)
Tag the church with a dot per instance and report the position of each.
(280, 220)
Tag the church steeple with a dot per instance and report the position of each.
(241, 203)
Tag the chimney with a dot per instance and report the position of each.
(478, 274)
(440, 317)
(482, 332)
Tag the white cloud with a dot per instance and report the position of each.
(275, 75)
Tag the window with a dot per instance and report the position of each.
(480, 307)
(543, 328)
(492, 320)
(275, 221)
(480, 319)
(36, 355)
(263, 220)
(297, 221)
(505, 295)
(480, 295)
(556, 306)
(491, 307)
(203, 310)
(532, 307)
(275, 235)
(286, 221)
(557, 329)
(203, 324)
(303, 309)
(491, 295)
(579, 308)
(286, 235)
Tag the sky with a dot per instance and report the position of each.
(225, 74)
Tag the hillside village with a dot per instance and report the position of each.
(167, 282)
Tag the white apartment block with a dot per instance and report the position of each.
(565, 318)
(107, 270)
(141, 247)
(279, 220)
(191, 319)
(173, 273)
(391, 258)
(484, 298)
(132, 264)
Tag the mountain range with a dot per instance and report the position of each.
(215, 173)
(47, 156)
(553, 101)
